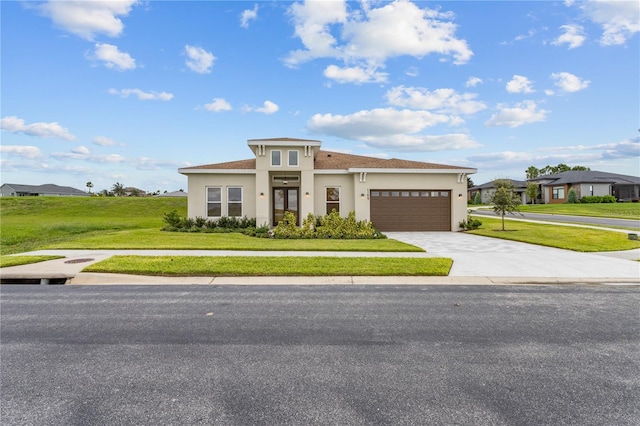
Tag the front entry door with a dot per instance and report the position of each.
(284, 200)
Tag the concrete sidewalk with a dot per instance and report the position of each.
(477, 260)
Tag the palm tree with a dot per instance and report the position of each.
(89, 185)
(118, 189)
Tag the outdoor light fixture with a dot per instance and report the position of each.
(306, 194)
(262, 194)
(361, 195)
(459, 195)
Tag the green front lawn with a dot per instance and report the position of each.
(6, 261)
(564, 237)
(272, 266)
(156, 239)
(612, 210)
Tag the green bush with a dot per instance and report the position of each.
(572, 197)
(594, 199)
(477, 199)
(331, 226)
(470, 223)
(176, 223)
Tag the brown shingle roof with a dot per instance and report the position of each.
(327, 160)
(284, 139)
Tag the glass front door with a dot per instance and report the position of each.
(284, 200)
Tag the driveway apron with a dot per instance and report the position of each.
(475, 255)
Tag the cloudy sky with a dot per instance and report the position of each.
(129, 91)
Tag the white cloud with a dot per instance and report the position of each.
(473, 82)
(568, 82)
(440, 100)
(619, 20)
(113, 58)
(143, 96)
(248, 15)
(103, 141)
(526, 112)
(217, 105)
(390, 128)
(573, 36)
(268, 107)
(30, 152)
(355, 75)
(44, 130)
(364, 39)
(88, 18)
(200, 60)
(83, 150)
(519, 84)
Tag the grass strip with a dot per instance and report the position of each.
(564, 237)
(156, 239)
(238, 266)
(6, 261)
(610, 210)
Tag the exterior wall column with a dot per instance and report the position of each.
(362, 206)
(263, 198)
(306, 187)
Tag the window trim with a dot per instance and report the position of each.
(230, 203)
(289, 152)
(273, 151)
(327, 202)
(555, 192)
(213, 202)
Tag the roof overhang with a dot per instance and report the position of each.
(412, 171)
(188, 171)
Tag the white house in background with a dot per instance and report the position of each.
(295, 175)
(49, 189)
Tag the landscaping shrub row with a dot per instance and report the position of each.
(331, 226)
(594, 199)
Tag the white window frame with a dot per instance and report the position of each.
(219, 188)
(327, 201)
(297, 163)
(241, 202)
(555, 193)
(273, 151)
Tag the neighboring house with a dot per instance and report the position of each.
(554, 188)
(131, 191)
(295, 175)
(16, 190)
(487, 190)
(173, 194)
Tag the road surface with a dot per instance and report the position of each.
(476, 355)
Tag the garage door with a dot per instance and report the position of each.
(411, 210)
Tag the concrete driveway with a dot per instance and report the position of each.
(477, 256)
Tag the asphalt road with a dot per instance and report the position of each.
(118, 355)
(631, 223)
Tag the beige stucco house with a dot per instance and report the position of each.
(295, 175)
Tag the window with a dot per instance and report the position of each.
(293, 158)
(558, 193)
(333, 199)
(276, 158)
(214, 202)
(234, 201)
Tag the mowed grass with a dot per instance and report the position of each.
(35, 223)
(564, 237)
(228, 266)
(31, 223)
(612, 210)
(6, 261)
(157, 239)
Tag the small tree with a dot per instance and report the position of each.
(572, 197)
(477, 199)
(89, 185)
(532, 191)
(504, 199)
(118, 189)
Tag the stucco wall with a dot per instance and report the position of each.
(198, 183)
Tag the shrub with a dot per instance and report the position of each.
(177, 223)
(470, 223)
(592, 199)
(477, 199)
(572, 197)
(331, 226)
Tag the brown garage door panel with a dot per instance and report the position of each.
(402, 210)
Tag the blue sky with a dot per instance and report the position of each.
(129, 91)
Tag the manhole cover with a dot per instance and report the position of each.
(88, 259)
